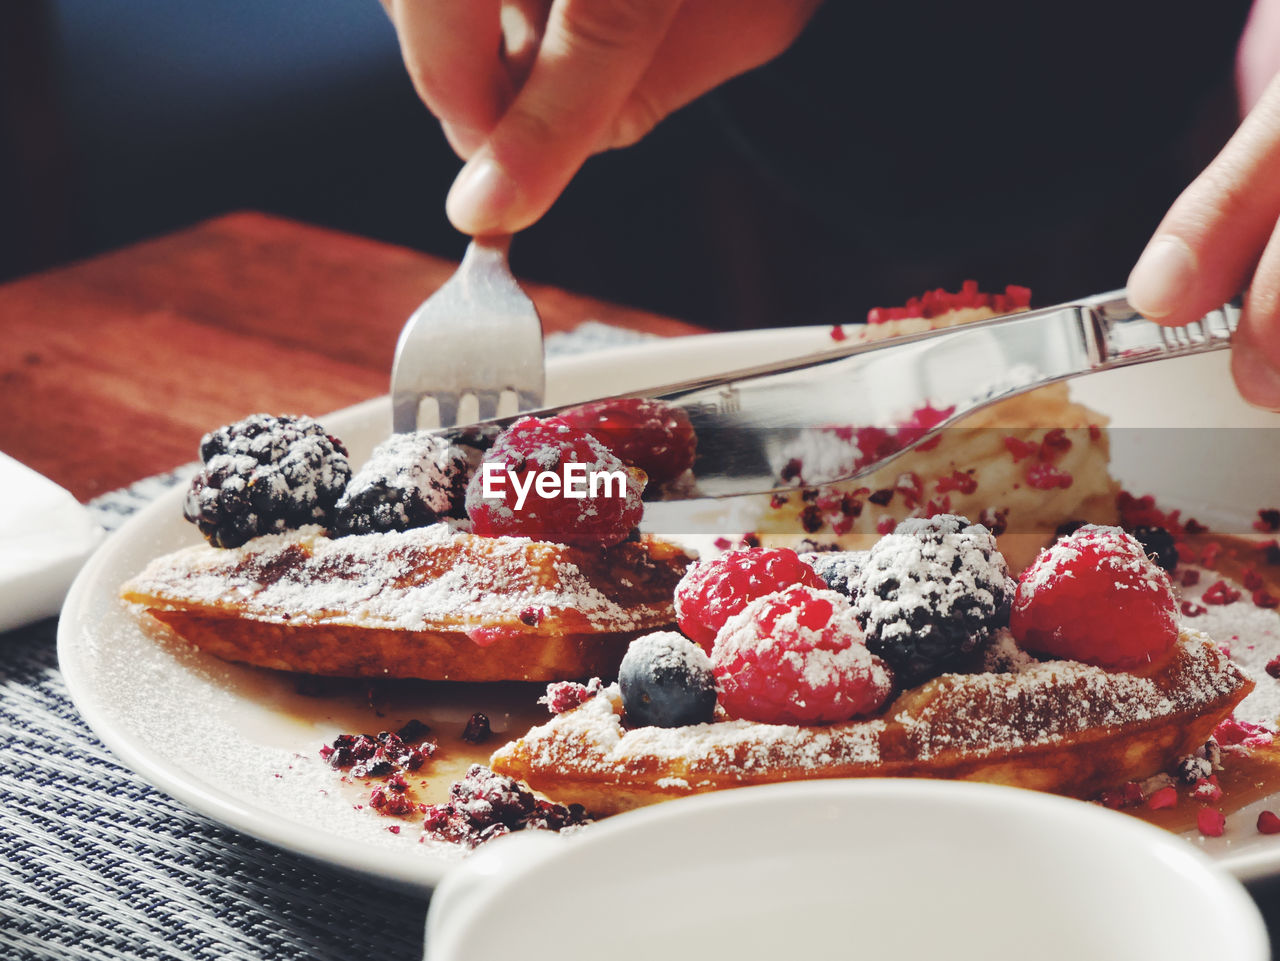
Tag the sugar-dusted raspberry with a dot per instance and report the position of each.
(652, 435)
(1095, 596)
(930, 592)
(798, 657)
(525, 454)
(714, 590)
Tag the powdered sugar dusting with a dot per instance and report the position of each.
(592, 739)
(956, 716)
(434, 577)
(922, 566)
(1250, 633)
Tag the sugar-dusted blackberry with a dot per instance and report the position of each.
(930, 592)
(1159, 545)
(841, 570)
(411, 480)
(263, 475)
(666, 681)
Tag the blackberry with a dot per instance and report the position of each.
(411, 480)
(1159, 546)
(264, 475)
(841, 570)
(931, 591)
(666, 681)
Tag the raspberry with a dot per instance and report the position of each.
(1268, 822)
(1096, 597)
(931, 591)
(411, 480)
(1211, 822)
(666, 681)
(798, 657)
(264, 475)
(712, 591)
(524, 454)
(652, 435)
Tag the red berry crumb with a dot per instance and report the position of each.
(392, 798)
(1095, 596)
(1233, 731)
(712, 591)
(1045, 477)
(1273, 667)
(1211, 822)
(1166, 797)
(1268, 823)
(798, 657)
(936, 302)
(531, 448)
(653, 435)
(1207, 789)
(1220, 592)
(564, 696)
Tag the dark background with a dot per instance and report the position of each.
(896, 147)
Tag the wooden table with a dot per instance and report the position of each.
(112, 369)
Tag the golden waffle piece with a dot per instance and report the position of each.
(433, 603)
(1058, 726)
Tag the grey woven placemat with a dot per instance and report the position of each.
(98, 865)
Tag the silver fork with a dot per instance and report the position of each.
(478, 335)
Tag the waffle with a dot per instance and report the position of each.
(1058, 726)
(433, 603)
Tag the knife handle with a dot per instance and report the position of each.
(1122, 336)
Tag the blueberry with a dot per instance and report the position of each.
(666, 681)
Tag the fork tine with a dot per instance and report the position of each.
(404, 412)
(488, 403)
(447, 405)
(478, 334)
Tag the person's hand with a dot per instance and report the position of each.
(527, 90)
(1221, 237)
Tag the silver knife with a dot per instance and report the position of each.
(845, 412)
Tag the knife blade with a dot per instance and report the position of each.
(842, 413)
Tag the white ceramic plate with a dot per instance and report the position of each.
(240, 745)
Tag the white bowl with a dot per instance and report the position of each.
(861, 868)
